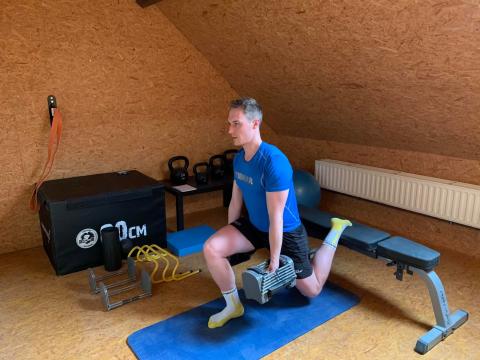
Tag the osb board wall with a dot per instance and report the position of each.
(132, 90)
(400, 75)
(434, 232)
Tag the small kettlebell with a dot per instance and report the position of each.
(178, 174)
(201, 177)
(229, 155)
(217, 166)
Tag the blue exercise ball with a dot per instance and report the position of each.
(307, 189)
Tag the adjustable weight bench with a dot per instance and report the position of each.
(406, 255)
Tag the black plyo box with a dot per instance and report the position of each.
(74, 210)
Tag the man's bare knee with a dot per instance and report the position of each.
(212, 247)
(310, 287)
(225, 242)
(311, 292)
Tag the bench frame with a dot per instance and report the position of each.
(446, 322)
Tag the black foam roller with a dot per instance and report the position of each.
(112, 249)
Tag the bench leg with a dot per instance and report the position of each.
(446, 322)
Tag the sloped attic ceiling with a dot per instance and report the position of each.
(403, 74)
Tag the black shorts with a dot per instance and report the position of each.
(294, 244)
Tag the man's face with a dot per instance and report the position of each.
(240, 129)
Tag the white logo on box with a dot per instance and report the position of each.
(87, 238)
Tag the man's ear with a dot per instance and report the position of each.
(256, 123)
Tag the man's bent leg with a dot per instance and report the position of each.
(322, 261)
(227, 241)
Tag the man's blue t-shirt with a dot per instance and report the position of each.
(269, 170)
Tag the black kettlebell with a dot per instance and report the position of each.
(201, 177)
(229, 155)
(217, 166)
(178, 174)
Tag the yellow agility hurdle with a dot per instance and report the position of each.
(154, 254)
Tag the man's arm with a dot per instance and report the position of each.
(236, 202)
(276, 205)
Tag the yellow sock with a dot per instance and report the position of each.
(338, 226)
(221, 318)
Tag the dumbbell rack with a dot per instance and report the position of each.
(95, 280)
(106, 294)
(97, 285)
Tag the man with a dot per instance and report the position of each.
(263, 180)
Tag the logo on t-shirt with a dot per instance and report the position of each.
(244, 178)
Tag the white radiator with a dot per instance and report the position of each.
(448, 200)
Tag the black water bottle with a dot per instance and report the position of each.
(112, 249)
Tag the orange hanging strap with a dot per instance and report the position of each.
(53, 142)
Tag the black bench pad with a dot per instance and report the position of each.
(371, 241)
(408, 252)
(358, 237)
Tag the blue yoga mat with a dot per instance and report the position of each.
(263, 328)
